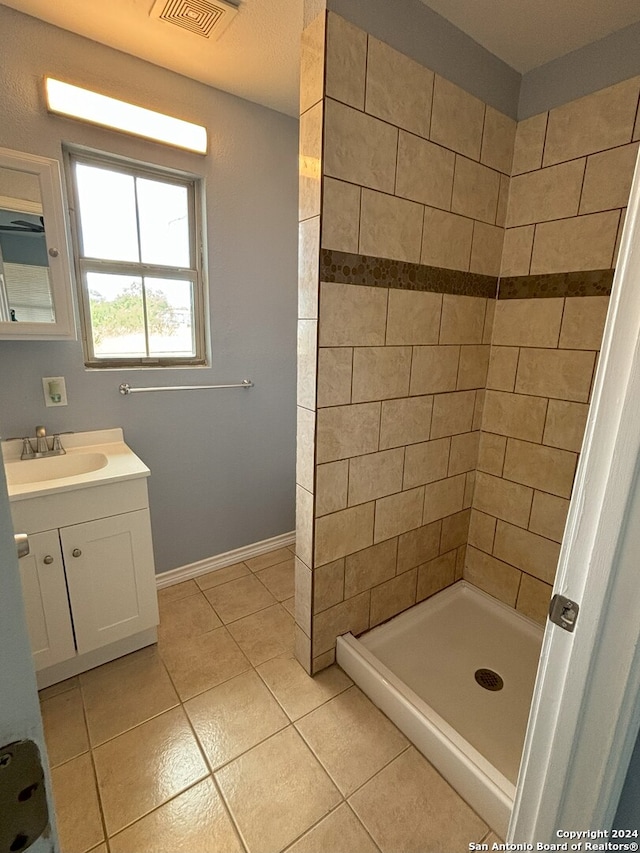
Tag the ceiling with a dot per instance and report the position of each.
(256, 57)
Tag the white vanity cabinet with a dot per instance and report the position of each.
(89, 580)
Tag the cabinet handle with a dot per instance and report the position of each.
(48, 560)
(76, 552)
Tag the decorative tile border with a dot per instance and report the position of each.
(589, 283)
(347, 268)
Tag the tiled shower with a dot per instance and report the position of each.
(454, 276)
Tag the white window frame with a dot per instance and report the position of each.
(84, 264)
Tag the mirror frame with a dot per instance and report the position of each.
(48, 173)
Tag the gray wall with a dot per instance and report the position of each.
(222, 462)
(628, 814)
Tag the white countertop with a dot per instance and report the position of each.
(121, 464)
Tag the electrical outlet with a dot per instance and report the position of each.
(55, 391)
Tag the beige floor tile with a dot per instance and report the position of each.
(177, 591)
(193, 822)
(143, 768)
(65, 730)
(239, 598)
(279, 579)
(290, 605)
(101, 848)
(351, 738)
(219, 576)
(341, 830)
(276, 791)
(198, 663)
(186, 617)
(264, 635)
(408, 806)
(76, 803)
(233, 717)
(297, 692)
(124, 693)
(269, 559)
(60, 687)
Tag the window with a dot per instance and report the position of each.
(138, 250)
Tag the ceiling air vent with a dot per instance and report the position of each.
(200, 17)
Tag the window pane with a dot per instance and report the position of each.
(170, 317)
(117, 315)
(107, 214)
(164, 223)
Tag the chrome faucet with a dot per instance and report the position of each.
(42, 446)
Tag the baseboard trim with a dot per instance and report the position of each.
(194, 570)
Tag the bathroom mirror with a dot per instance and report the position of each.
(35, 281)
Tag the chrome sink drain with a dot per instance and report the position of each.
(489, 679)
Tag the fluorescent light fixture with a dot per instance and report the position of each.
(72, 101)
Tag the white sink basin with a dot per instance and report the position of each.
(92, 459)
(53, 468)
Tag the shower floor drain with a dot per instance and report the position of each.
(489, 679)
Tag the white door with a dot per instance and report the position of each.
(19, 708)
(46, 603)
(586, 705)
(110, 575)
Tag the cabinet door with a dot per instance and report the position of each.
(111, 578)
(45, 600)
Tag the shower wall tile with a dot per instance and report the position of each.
(452, 413)
(425, 462)
(380, 373)
(329, 586)
(563, 374)
(399, 90)
(583, 322)
(498, 140)
(455, 530)
(359, 148)
(352, 316)
(503, 201)
(332, 483)
(375, 476)
(349, 615)
(312, 63)
(308, 251)
(607, 181)
(343, 533)
(528, 322)
(502, 498)
(370, 567)
(581, 243)
(534, 554)
(475, 190)
(436, 575)
(515, 415)
(304, 525)
(446, 240)
(413, 317)
(462, 319)
(393, 597)
(443, 498)
(307, 357)
(464, 453)
(399, 513)
(434, 369)
(340, 216)
(516, 251)
(565, 425)
(491, 451)
(346, 62)
(544, 468)
(425, 171)
(551, 193)
(473, 368)
(529, 144)
(405, 421)
(486, 249)
(503, 363)
(482, 530)
(390, 227)
(305, 442)
(548, 515)
(334, 376)
(345, 431)
(493, 576)
(419, 546)
(457, 119)
(310, 159)
(604, 119)
(534, 597)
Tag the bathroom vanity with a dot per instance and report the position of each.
(89, 580)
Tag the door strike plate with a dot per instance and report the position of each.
(23, 800)
(563, 612)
